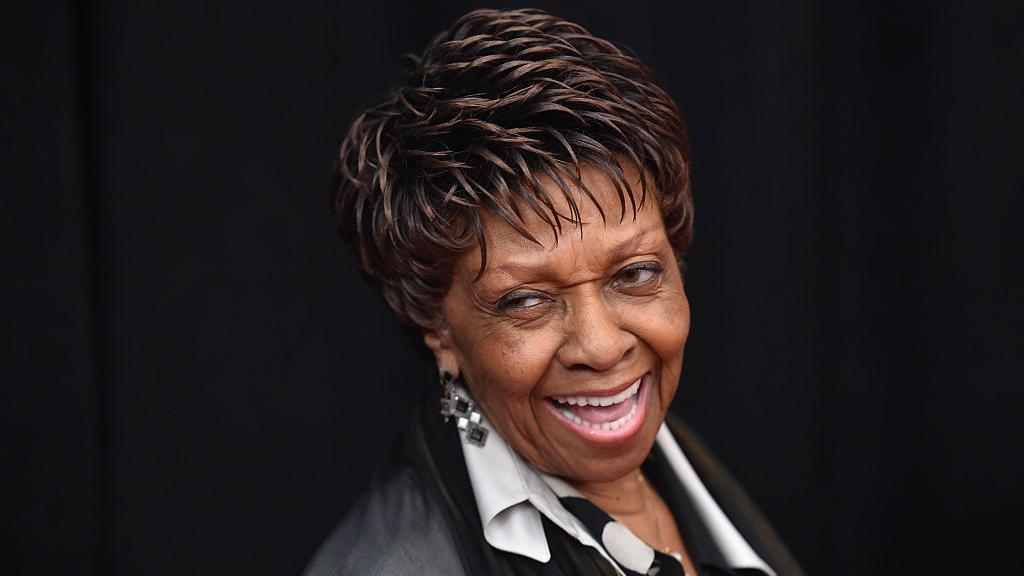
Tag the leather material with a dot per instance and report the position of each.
(395, 528)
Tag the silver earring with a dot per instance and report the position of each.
(467, 418)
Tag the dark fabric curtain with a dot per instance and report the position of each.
(195, 380)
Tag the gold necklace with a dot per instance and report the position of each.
(678, 555)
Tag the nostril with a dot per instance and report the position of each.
(597, 354)
(629, 351)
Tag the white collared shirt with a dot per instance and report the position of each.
(511, 495)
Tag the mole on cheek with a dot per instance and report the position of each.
(513, 358)
(512, 348)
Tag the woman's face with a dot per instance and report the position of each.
(573, 349)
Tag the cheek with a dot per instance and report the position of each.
(508, 364)
(664, 326)
(503, 370)
(677, 328)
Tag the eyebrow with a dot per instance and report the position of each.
(629, 247)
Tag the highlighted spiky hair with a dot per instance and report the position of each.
(497, 104)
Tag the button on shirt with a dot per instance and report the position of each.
(511, 496)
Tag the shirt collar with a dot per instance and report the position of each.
(511, 495)
(502, 495)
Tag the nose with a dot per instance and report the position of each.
(595, 338)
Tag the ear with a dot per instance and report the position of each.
(440, 343)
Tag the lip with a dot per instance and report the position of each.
(611, 437)
(602, 393)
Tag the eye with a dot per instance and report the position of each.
(638, 275)
(522, 300)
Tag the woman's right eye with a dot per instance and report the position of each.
(521, 301)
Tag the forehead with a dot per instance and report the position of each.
(592, 238)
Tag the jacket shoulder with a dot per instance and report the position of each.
(734, 501)
(396, 527)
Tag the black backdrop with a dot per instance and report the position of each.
(195, 380)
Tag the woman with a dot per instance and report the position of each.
(524, 202)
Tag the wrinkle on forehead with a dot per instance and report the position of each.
(591, 254)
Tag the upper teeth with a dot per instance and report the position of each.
(601, 400)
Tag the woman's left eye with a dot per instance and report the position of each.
(638, 275)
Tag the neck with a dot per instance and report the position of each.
(624, 496)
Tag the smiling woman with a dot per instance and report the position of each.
(524, 202)
(587, 315)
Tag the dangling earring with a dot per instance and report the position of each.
(467, 418)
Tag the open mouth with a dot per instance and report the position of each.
(604, 419)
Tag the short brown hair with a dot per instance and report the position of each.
(497, 102)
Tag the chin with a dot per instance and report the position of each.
(602, 464)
